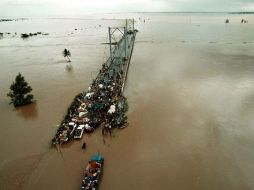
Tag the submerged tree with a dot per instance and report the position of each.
(67, 53)
(19, 92)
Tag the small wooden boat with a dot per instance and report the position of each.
(93, 173)
(79, 132)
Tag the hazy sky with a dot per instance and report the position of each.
(24, 8)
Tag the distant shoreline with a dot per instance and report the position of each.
(187, 12)
(11, 19)
(7, 18)
(246, 13)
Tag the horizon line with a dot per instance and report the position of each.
(206, 12)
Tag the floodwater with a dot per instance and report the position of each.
(191, 103)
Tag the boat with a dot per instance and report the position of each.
(71, 129)
(93, 173)
(79, 132)
(65, 133)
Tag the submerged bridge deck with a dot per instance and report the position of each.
(120, 57)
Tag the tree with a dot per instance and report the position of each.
(19, 92)
(67, 53)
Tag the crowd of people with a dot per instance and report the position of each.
(102, 105)
(92, 175)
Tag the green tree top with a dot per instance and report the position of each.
(19, 92)
(67, 53)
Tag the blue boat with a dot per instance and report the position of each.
(93, 173)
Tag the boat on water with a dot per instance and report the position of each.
(93, 173)
(65, 133)
(79, 132)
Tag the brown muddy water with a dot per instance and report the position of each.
(191, 103)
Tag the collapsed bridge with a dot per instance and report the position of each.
(103, 104)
